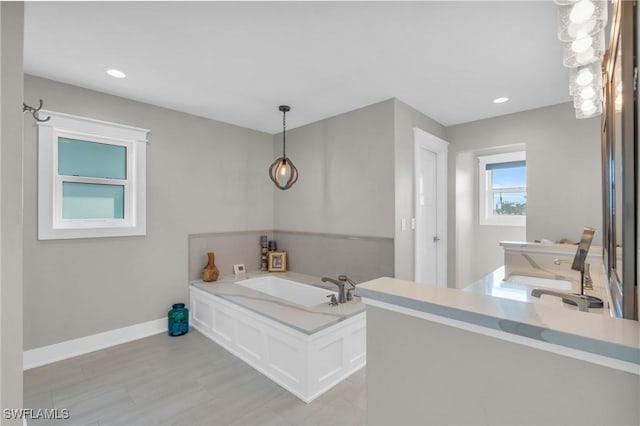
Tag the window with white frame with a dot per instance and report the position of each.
(503, 189)
(91, 178)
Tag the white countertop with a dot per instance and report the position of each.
(595, 252)
(307, 320)
(613, 342)
(493, 284)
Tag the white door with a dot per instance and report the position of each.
(430, 209)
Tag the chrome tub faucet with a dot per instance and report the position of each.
(341, 293)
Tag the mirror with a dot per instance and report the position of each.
(619, 165)
(583, 249)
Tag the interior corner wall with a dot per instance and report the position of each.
(11, 178)
(345, 183)
(478, 247)
(406, 119)
(563, 173)
(202, 176)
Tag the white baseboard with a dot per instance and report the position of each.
(63, 350)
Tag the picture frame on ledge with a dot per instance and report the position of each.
(277, 261)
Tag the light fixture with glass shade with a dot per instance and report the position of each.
(585, 95)
(587, 75)
(282, 171)
(583, 50)
(580, 18)
(589, 109)
(581, 25)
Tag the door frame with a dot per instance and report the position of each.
(427, 141)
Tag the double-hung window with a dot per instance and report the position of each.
(503, 189)
(91, 178)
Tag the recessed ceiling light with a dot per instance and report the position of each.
(500, 100)
(116, 73)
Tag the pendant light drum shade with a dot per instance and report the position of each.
(282, 171)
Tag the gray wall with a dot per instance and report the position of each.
(406, 119)
(202, 176)
(338, 218)
(11, 255)
(423, 373)
(329, 255)
(230, 248)
(477, 247)
(356, 178)
(563, 172)
(346, 175)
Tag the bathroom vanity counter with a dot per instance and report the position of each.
(445, 356)
(599, 339)
(494, 284)
(308, 320)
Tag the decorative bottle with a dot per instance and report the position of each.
(178, 320)
(211, 271)
(263, 252)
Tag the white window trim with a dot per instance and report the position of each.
(485, 209)
(50, 222)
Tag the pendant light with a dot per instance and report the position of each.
(282, 172)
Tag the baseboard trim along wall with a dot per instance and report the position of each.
(71, 348)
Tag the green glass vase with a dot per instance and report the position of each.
(178, 320)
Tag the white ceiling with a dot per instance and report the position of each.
(237, 61)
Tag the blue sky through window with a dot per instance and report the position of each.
(514, 177)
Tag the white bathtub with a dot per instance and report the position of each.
(306, 363)
(291, 291)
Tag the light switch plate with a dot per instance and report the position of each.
(403, 224)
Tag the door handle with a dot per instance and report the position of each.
(436, 239)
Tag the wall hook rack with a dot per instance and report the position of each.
(35, 112)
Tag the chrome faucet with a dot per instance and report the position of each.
(341, 294)
(350, 291)
(579, 299)
(588, 282)
(345, 278)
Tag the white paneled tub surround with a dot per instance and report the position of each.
(307, 364)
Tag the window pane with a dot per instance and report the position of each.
(505, 165)
(514, 177)
(92, 201)
(509, 203)
(91, 159)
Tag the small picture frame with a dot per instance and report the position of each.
(239, 270)
(277, 261)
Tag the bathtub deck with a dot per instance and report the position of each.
(305, 319)
(307, 365)
(186, 380)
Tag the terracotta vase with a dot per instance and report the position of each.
(211, 271)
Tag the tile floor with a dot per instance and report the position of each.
(186, 380)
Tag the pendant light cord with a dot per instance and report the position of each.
(284, 133)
